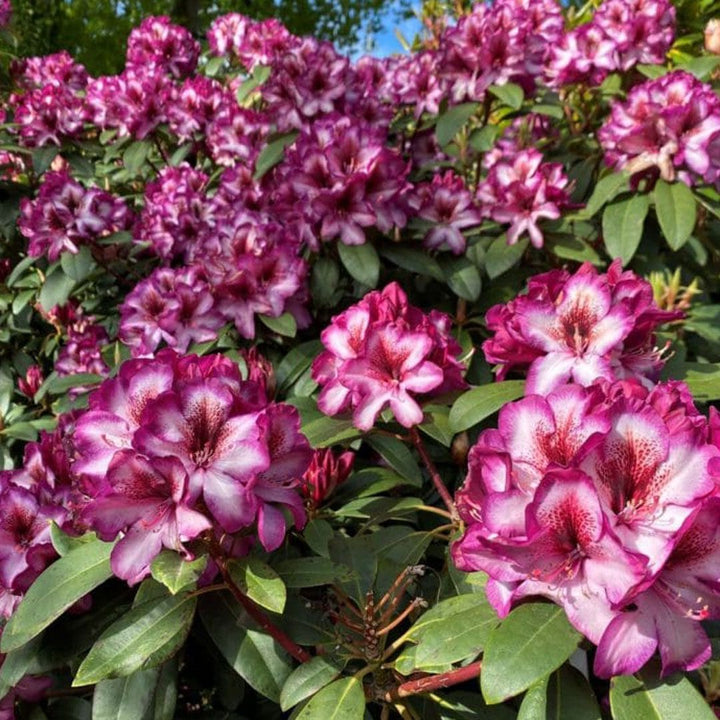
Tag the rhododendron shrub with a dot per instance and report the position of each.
(330, 385)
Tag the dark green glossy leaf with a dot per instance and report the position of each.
(362, 262)
(341, 700)
(475, 405)
(306, 680)
(622, 225)
(272, 154)
(676, 211)
(452, 120)
(259, 582)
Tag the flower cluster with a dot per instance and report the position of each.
(604, 500)
(385, 352)
(520, 189)
(157, 41)
(65, 215)
(622, 34)
(668, 127)
(174, 447)
(582, 327)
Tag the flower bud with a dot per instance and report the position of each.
(32, 381)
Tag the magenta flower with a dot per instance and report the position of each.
(384, 352)
(600, 499)
(582, 326)
(665, 127)
(521, 189)
(157, 41)
(149, 501)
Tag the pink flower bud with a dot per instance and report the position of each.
(33, 379)
(712, 36)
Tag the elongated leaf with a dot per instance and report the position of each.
(58, 587)
(259, 75)
(259, 582)
(676, 211)
(342, 700)
(126, 698)
(166, 692)
(295, 363)
(650, 699)
(450, 122)
(622, 225)
(413, 260)
(398, 457)
(307, 679)
(56, 289)
(362, 262)
(77, 266)
(606, 189)
(145, 636)
(703, 379)
(463, 278)
(509, 94)
(17, 664)
(455, 629)
(500, 256)
(135, 155)
(284, 325)
(531, 642)
(475, 405)
(311, 572)
(176, 573)
(256, 657)
(272, 154)
(565, 695)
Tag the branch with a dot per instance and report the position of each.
(282, 638)
(434, 474)
(430, 683)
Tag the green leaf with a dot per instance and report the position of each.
(295, 363)
(284, 325)
(259, 582)
(175, 573)
(127, 698)
(306, 680)
(362, 262)
(648, 698)
(500, 256)
(413, 260)
(147, 635)
(398, 457)
(702, 379)
(463, 278)
(135, 156)
(342, 700)
(307, 572)
(607, 188)
(56, 289)
(324, 282)
(166, 692)
(622, 225)
(59, 385)
(509, 94)
(55, 590)
(17, 664)
(64, 543)
(259, 75)
(453, 630)
(360, 556)
(437, 424)
(565, 695)
(256, 657)
(531, 642)
(701, 67)
(475, 405)
(272, 154)
(569, 247)
(676, 211)
(452, 120)
(323, 431)
(77, 266)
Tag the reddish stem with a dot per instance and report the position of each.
(430, 683)
(434, 474)
(284, 640)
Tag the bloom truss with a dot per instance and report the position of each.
(603, 499)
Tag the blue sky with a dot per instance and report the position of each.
(386, 41)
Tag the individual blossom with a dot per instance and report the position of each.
(446, 207)
(82, 351)
(236, 135)
(149, 501)
(601, 499)
(666, 127)
(194, 105)
(581, 327)
(385, 352)
(521, 189)
(171, 306)
(65, 215)
(157, 41)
